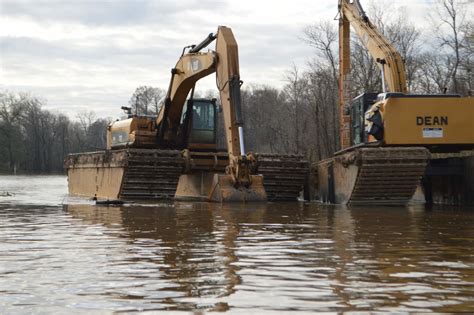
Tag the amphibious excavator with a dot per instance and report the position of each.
(395, 143)
(174, 155)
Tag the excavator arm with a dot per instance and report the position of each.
(228, 83)
(190, 68)
(381, 50)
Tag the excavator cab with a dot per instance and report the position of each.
(203, 126)
(358, 108)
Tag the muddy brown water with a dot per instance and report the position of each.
(66, 255)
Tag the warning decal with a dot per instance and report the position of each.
(432, 132)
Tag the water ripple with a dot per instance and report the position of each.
(281, 258)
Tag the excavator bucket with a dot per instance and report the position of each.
(223, 190)
(205, 186)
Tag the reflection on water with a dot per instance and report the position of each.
(259, 257)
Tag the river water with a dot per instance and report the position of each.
(66, 255)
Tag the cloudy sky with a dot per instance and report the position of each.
(92, 54)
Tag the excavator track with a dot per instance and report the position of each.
(151, 174)
(283, 175)
(388, 176)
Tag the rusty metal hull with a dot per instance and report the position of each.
(124, 174)
(449, 179)
(96, 174)
(147, 174)
(377, 175)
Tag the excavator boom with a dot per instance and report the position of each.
(382, 51)
(190, 68)
(239, 183)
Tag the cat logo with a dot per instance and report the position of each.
(194, 65)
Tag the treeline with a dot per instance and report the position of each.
(35, 140)
(301, 117)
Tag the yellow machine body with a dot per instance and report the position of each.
(174, 155)
(395, 145)
(131, 132)
(428, 121)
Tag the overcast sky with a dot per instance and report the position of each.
(92, 54)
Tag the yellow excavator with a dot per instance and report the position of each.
(392, 140)
(174, 155)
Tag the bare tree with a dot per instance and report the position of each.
(365, 73)
(453, 33)
(322, 95)
(265, 120)
(85, 120)
(11, 109)
(92, 135)
(406, 38)
(323, 36)
(432, 76)
(293, 90)
(35, 140)
(146, 100)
